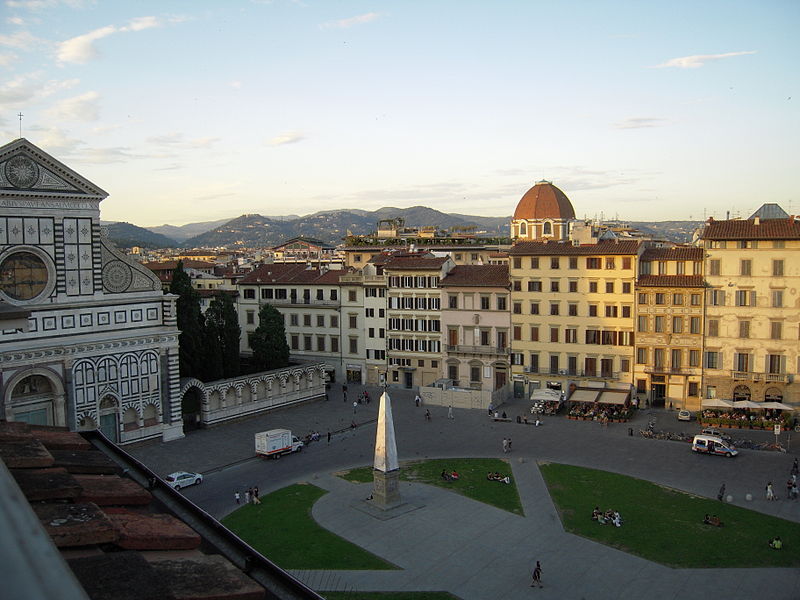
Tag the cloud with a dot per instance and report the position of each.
(177, 140)
(237, 85)
(53, 139)
(29, 89)
(81, 49)
(78, 108)
(698, 60)
(7, 58)
(639, 123)
(41, 4)
(351, 21)
(21, 40)
(291, 137)
(15, 20)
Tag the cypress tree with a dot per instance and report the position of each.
(189, 323)
(223, 331)
(268, 341)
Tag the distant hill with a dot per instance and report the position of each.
(127, 235)
(184, 232)
(674, 231)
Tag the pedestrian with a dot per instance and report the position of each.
(355, 405)
(721, 493)
(505, 446)
(509, 444)
(795, 467)
(537, 575)
(770, 492)
(256, 499)
(344, 396)
(247, 496)
(329, 437)
(366, 396)
(789, 489)
(427, 415)
(417, 400)
(450, 412)
(491, 409)
(794, 490)
(237, 497)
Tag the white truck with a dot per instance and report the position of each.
(276, 442)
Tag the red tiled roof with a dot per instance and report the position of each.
(739, 229)
(291, 273)
(568, 249)
(674, 253)
(544, 201)
(670, 281)
(399, 263)
(171, 265)
(476, 276)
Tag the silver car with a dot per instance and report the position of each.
(182, 479)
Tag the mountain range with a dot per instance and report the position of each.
(332, 226)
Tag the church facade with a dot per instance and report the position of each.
(87, 338)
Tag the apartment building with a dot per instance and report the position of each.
(414, 352)
(476, 325)
(572, 313)
(752, 268)
(670, 303)
(319, 325)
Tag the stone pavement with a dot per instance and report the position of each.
(470, 549)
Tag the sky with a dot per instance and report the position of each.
(198, 110)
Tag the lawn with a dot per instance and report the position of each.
(666, 525)
(388, 596)
(282, 529)
(472, 483)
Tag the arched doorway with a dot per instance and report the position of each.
(773, 395)
(191, 407)
(35, 396)
(741, 392)
(109, 418)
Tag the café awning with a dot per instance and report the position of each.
(776, 406)
(584, 395)
(746, 404)
(613, 397)
(716, 403)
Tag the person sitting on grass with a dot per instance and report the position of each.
(617, 520)
(455, 476)
(596, 514)
(445, 475)
(712, 520)
(776, 543)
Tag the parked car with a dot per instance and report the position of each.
(182, 479)
(685, 415)
(716, 432)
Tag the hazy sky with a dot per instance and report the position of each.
(194, 111)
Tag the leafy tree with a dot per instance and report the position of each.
(268, 341)
(223, 333)
(190, 323)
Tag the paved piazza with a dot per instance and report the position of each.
(470, 549)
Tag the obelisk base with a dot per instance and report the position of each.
(386, 488)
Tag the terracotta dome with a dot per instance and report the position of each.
(544, 201)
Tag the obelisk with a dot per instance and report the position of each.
(386, 468)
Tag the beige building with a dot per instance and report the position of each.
(414, 346)
(572, 313)
(752, 268)
(476, 325)
(669, 327)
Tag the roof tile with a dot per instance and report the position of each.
(739, 229)
(476, 276)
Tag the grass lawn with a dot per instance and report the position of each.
(388, 596)
(665, 525)
(282, 529)
(472, 483)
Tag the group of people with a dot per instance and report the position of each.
(450, 475)
(506, 445)
(610, 516)
(250, 496)
(747, 418)
(712, 520)
(599, 412)
(496, 476)
(312, 437)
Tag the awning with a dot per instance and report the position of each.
(746, 404)
(545, 395)
(776, 406)
(613, 397)
(584, 395)
(716, 403)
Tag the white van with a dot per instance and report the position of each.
(712, 444)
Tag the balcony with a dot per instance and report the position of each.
(493, 350)
(577, 373)
(663, 370)
(309, 302)
(757, 377)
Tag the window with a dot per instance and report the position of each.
(695, 299)
(534, 308)
(609, 287)
(661, 298)
(294, 320)
(535, 334)
(501, 303)
(626, 312)
(777, 298)
(295, 342)
(320, 294)
(776, 364)
(249, 294)
(641, 356)
(381, 313)
(694, 325)
(534, 262)
(626, 287)
(555, 262)
(626, 262)
(641, 323)
(320, 320)
(306, 320)
(554, 334)
(474, 374)
(744, 329)
(677, 324)
(353, 345)
(593, 310)
(517, 285)
(381, 332)
(353, 319)
(677, 299)
(307, 342)
(356, 258)
(592, 287)
(694, 389)
(658, 357)
(334, 343)
(609, 262)
(516, 331)
(676, 358)
(518, 308)
(266, 293)
(713, 267)
(534, 362)
(694, 358)
(517, 262)
(776, 330)
(716, 297)
(452, 301)
(642, 298)
(593, 263)
(712, 360)
(534, 286)
(573, 310)
(573, 262)
(611, 310)
(334, 295)
(573, 286)
(484, 302)
(320, 343)
(335, 321)
(554, 363)
(571, 336)
(371, 332)
(745, 298)
(625, 365)
(680, 268)
(659, 324)
(251, 317)
(745, 267)
(741, 361)
(554, 308)
(369, 312)
(713, 328)
(484, 338)
(662, 267)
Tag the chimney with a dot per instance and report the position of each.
(757, 220)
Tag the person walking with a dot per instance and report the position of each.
(509, 444)
(721, 493)
(247, 496)
(417, 400)
(770, 492)
(505, 446)
(237, 497)
(427, 415)
(795, 467)
(256, 499)
(450, 411)
(329, 437)
(537, 575)
(355, 405)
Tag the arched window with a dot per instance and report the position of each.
(548, 228)
(523, 228)
(741, 392)
(130, 419)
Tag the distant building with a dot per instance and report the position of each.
(543, 213)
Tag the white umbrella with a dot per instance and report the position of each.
(716, 403)
(746, 404)
(776, 406)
